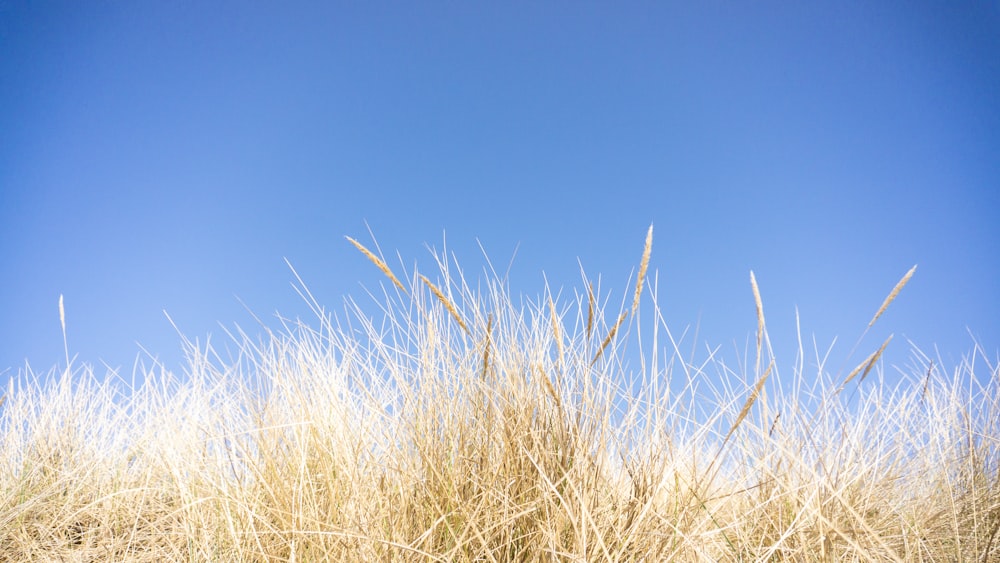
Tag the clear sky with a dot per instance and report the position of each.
(170, 155)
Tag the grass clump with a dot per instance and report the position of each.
(459, 426)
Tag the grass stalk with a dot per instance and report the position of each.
(405, 440)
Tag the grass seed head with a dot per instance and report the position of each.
(643, 266)
(590, 309)
(446, 302)
(867, 364)
(892, 295)
(487, 345)
(760, 316)
(750, 401)
(875, 357)
(379, 263)
(609, 338)
(556, 333)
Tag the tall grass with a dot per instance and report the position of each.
(459, 425)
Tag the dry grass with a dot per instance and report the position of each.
(611, 336)
(374, 259)
(892, 295)
(448, 305)
(868, 364)
(760, 316)
(590, 309)
(401, 438)
(643, 266)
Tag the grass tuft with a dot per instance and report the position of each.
(398, 438)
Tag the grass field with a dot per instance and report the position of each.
(456, 424)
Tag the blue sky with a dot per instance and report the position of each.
(169, 156)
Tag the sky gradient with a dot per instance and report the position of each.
(170, 156)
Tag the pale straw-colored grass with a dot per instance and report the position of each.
(611, 336)
(643, 266)
(760, 317)
(892, 295)
(391, 436)
(868, 364)
(448, 305)
(590, 309)
(378, 263)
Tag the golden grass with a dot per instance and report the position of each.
(404, 441)
(378, 263)
(556, 332)
(549, 388)
(448, 305)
